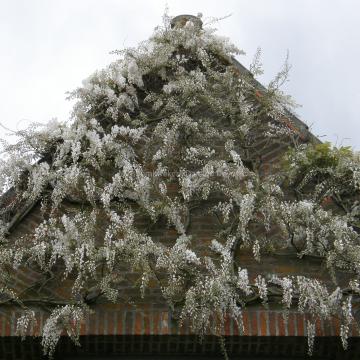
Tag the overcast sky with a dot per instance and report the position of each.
(48, 46)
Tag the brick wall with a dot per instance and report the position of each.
(147, 326)
(124, 330)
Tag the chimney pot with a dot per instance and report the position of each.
(181, 20)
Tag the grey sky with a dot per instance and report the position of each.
(47, 47)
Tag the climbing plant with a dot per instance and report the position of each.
(170, 128)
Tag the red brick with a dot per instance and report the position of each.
(119, 321)
(36, 327)
(281, 324)
(138, 324)
(263, 323)
(129, 322)
(354, 329)
(156, 321)
(235, 327)
(254, 325)
(246, 323)
(227, 325)
(7, 326)
(291, 324)
(318, 329)
(83, 328)
(272, 324)
(164, 323)
(92, 324)
(2, 325)
(110, 323)
(336, 326)
(146, 323)
(300, 324)
(328, 331)
(100, 323)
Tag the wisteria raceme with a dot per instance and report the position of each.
(167, 133)
(69, 318)
(27, 320)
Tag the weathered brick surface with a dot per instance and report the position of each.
(127, 320)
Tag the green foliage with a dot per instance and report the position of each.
(327, 175)
(317, 156)
(322, 170)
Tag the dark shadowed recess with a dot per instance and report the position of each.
(152, 347)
